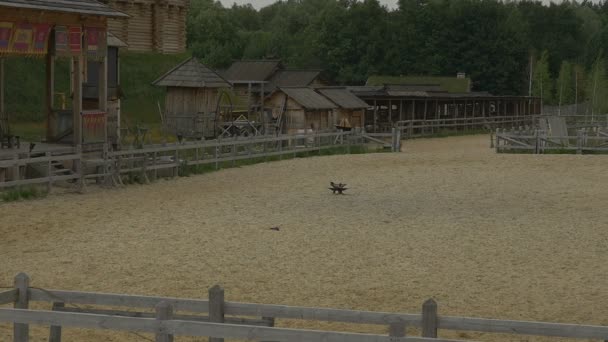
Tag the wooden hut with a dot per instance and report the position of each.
(301, 109)
(249, 79)
(192, 98)
(155, 25)
(351, 109)
(73, 30)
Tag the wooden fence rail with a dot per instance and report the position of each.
(173, 159)
(222, 321)
(538, 141)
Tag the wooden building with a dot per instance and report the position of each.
(75, 31)
(252, 80)
(192, 99)
(351, 109)
(393, 105)
(299, 110)
(155, 25)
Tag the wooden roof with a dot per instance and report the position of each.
(292, 78)
(91, 7)
(252, 70)
(449, 84)
(343, 97)
(191, 74)
(308, 98)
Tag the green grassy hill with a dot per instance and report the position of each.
(25, 86)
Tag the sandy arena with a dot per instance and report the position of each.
(486, 235)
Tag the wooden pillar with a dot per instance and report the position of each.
(390, 111)
(425, 109)
(216, 308)
(248, 98)
(21, 331)
(413, 110)
(103, 93)
(375, 115)
(3, 114)
(400, 110)
(77, 99)
(50, 94)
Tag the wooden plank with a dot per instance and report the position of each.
(320, 314)
(9, 296)
(164, 312)
(429, 319)
(21, 331)
(264, 322)
(55, 330)
(184, 328)
(524, 328)
(216, 309)
(397, 329)
(106, 299)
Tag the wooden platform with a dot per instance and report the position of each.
(40, 148)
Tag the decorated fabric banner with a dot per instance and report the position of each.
(23, 38)
(41, 38)
(75, 39)
(6, 33)
(96, 42)
(61, 41)
(94, 126)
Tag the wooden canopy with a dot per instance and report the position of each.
(71, 29)
(90, 7)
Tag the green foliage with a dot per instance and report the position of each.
(597, 86)
(565, 88)
(22, 193)
(542, 84)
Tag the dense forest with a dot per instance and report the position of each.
(496, 43)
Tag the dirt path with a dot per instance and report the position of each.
(497, 236)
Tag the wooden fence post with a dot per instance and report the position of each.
(397, 329)
(216, 308)
(579, 142)
(21, 331)
(55, 332)
(164, 312)
(49, 172)
(79, 170)
(429, 319)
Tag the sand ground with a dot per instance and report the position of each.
(486, 235)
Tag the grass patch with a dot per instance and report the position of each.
(22, 193)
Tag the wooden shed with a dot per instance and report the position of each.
(192, 98)
(75, 31)
(300, 109)
(155, 25)
(351, 109)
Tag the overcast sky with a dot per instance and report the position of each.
(262, 3)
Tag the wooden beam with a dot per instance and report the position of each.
(21, 330)
(50, 94)
(77, 99)
(1, 89)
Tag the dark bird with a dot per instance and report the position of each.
(339, 188)
(276, 229)
(32, 145)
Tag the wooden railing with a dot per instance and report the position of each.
(418, 128)
(538, 141)
(222, 320)
(45, 162)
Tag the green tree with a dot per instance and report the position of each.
(542, 84)
(597, 86)
(565, 86)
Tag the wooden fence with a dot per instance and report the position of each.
(222, 318)
(419, 128)
(45, 163)
(537, 141)
(176, 159)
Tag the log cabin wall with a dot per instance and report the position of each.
(154, 26)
